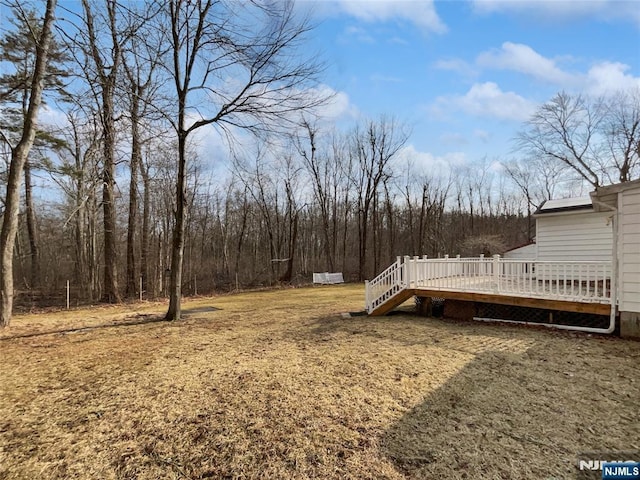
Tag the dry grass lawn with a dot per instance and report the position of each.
(277, 384)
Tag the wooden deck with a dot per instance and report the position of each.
(501, 299)
(571, 287)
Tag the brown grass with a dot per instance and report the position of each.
(278, 385)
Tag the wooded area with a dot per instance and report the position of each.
(129, 201)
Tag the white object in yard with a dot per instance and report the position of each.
(327, 278)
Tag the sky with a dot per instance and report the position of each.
(464, 75)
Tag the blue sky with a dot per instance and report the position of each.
(462, 74)
(465, 75)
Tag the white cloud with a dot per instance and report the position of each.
(563, 9)
(456, 65)
(454, 138)
(214, 149)
(426, 163)
(601, 78)
(359, 33)
(460, 139)
(48, 115)
(609, 77)
(496, 166)
(482, 135)
(210, 140)
(339, 107)
(524, 59)
(486, 100)
(574, 7)
(210, 143)
(421, 13)
(398, 41)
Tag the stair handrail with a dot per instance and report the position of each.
(392, 277)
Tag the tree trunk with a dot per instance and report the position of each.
(136, 152)
(146, 211)
(93, 254)
(241, 234)
(327, 239)
(19, 156)
(107, 76)
(81, 276)
(111, 293)
(391, 225)
(292, 215)
(345, 229)
(177, 250)
(375, 234)
(34, 249)
(362, 250)
(288, 274)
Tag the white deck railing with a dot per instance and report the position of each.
(571, 281)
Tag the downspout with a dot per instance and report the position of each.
(613, 287)
(614, 264)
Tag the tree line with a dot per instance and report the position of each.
(133, 205)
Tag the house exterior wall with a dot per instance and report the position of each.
(574, 236)
(528, 252)
(629, 249)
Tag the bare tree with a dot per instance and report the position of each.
(253, 43)
(524, 179)
(622, 131)
(101, 71)
(424, 197)
(78, 176)
(262, 180)
(145, 247)
(597, 139)
(322, 172)
(18, 47)
(19, 155)
(373, 147)
(294, 204)
(565, 130)
(141, 57)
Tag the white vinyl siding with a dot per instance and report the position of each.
(576, 236)
(629, 250)
(528, 252)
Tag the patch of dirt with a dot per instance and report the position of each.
(277, 384)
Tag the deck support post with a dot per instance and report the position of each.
(407, 270)
(496, 273)
(366, 295)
